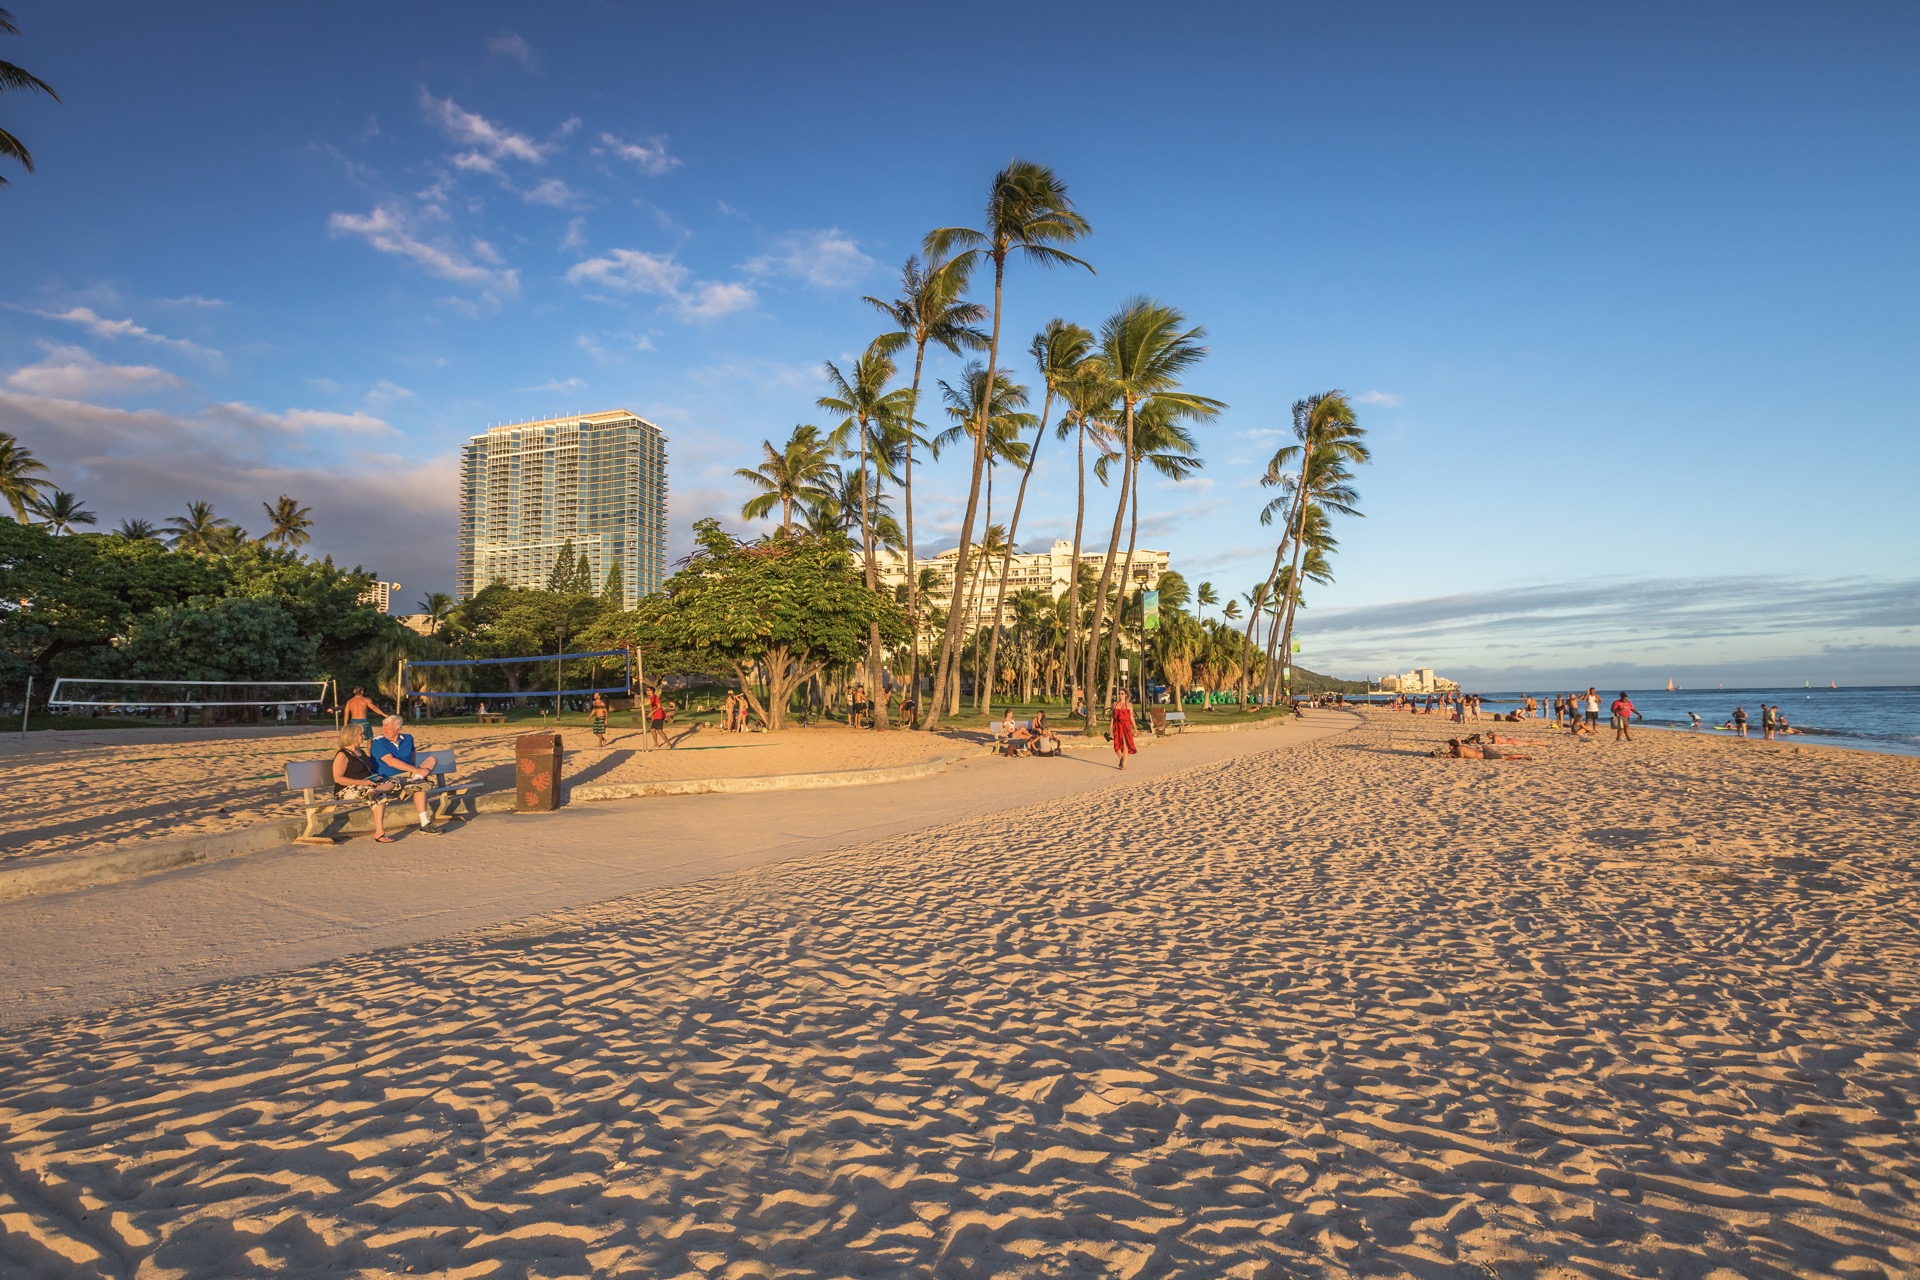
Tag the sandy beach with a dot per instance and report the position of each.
(86, 790)
(1646, 1009)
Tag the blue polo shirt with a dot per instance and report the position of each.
(385, 753)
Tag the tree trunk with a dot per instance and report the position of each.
(1130, 495)
(1006, 566)
(874, 683)
(1106, 568)
(1073, 574)
(949, 648)
(913, 585)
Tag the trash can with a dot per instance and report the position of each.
(536, 773)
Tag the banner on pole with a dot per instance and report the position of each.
(1296, 646)
(1150, 610)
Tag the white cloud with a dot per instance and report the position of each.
(1386, 399)
(576, 237)
(556, 385)
(660, 275)
(194, 300)
(592, 345)
(295, 421)
(101, 327)
(474, 162)
(391, 514)
(828, 259)
(387, 229)
(385, 392)
(514, 45)
(553, 193)
(74, 373)
(649, 155)
(477, 132)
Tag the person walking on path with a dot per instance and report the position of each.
(1622, 710)
(1123, 745)
(597, 709)
(361, 711)
(1593, 710)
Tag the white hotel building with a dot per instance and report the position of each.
(596, 480)
(1051, 571)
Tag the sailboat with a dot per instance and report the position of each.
(1669, 684)
(1832, 685)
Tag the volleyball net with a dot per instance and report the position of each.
(597, 664)
(76, 692)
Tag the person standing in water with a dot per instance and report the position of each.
(1123, 728)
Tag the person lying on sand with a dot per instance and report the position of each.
(1458, 750)
(1494, 739)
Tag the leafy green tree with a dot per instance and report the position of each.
(1314, 471)
(13, 77)
(1027, 211)
(228, 638)
(137, 530)
(784, 607)
(20, 473)
(288, 521)
(60, 511)
(582, 584)
(614, 590)
(436, 605)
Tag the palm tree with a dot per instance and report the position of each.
(19, 472)
(1162, 441)
(60, 511)
(288, 521)
(199, 530)
(1146, 347)
(13, 77)
(1027, 210)
(1316, 567)
(1329, 439)
(436, 606)
(1090, 400)
(873, 412)
(1207, 595)
(137, 531)
(1060, 353)
(929, 309)
(794, 474)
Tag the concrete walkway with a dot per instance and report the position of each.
(108, 946)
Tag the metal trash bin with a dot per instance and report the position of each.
(536, 773)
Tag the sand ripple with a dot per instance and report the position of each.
(1339, 1010)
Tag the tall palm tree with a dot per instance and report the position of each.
(1090, 398)
(19, 476)
(199, 530)
(1027, 211)
(1162, 441)
(1146, 347)
(1329, 439)
(136, 530)
(792, 475)
(1206, 596)
(13, 77)
(436, 605)
(288, 522)
(930, 309)
(1060, 353)
(60, 511)
(872, 412)
(1316, 567)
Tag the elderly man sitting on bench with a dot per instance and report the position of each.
(393, 761)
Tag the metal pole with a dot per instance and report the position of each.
(640, 688)
(26, 707)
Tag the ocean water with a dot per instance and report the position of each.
(1886, 718)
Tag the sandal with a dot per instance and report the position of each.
(383, 839)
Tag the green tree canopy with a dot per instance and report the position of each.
(782, 607)
(228, 638)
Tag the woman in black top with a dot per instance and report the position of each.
(353, 780)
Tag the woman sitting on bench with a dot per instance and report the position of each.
(353, 779)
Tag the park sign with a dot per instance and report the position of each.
(1150, 610)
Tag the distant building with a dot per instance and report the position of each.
(1417, 681)
(419, 623)
(1050, 571)
(379, 595)
(597, 480)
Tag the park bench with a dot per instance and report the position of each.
(313, 779)
(491, 717)
(1167, 718)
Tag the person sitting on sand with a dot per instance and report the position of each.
(394, 763)
(1045, 741)
(1458, 750)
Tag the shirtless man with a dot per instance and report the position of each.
(361, 713)
(1459, 750)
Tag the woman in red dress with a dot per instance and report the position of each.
(1123, 728)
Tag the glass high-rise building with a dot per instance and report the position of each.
(597, 480)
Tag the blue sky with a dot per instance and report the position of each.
(1625, 293)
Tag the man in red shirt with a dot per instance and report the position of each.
(1622, 718)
